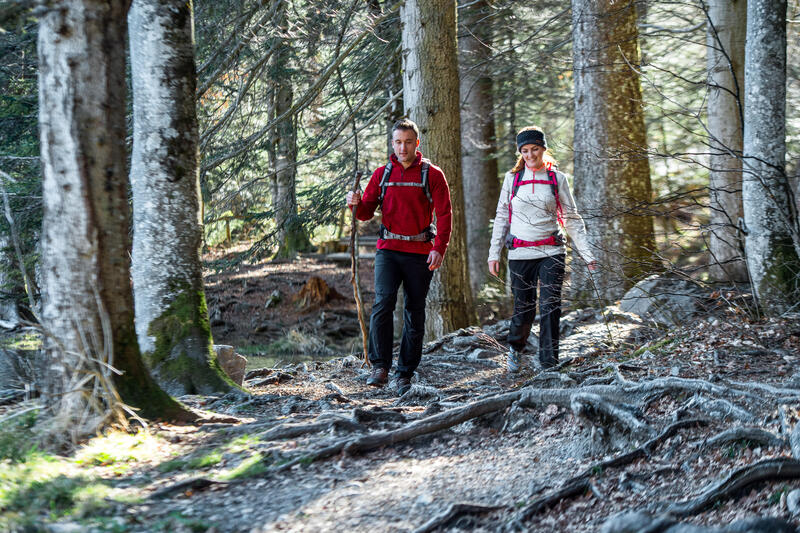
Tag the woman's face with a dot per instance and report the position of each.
(532, 154)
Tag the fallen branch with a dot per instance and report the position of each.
(453, 512)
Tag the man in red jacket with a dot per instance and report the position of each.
(408, 189)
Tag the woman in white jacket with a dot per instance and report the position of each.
(535, 203)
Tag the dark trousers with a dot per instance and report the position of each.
(391, 269)
(548, 273)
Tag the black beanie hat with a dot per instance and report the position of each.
(531, 137)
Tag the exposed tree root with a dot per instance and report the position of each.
(581, 483)
(753, 434)
(195, 483)
(599, 412)
(431, 424)
(767, 470)
(453, 512)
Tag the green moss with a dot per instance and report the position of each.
(252, 466)
(183, 345)
(782, 278)
(655, 347)
(17, 438)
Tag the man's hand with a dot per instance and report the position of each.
(353, 198)
(434, 260)
(494, 268)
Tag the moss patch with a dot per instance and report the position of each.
(183, 350)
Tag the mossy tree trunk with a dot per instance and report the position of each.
(171, 317)
(725, 30)
(479, 153)
(431, 93)
(612, 172)
(772, 242)
(290, 234)
(87, 304)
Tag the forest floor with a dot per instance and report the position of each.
(689, 424)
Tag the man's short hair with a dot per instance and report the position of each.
(406, 124)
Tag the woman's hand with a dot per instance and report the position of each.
(494, 268)
(592, 266)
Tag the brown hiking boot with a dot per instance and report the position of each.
(378, 377)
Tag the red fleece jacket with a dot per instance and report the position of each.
(406, 210)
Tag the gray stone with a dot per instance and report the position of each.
(231, 362)
(632, 522)
(665, 301)
(793, 502)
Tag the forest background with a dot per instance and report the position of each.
(678, 121)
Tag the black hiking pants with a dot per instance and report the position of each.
(391, 269)
(526, 274)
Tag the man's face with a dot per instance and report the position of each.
(404, 144)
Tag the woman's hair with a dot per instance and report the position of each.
(547, 157)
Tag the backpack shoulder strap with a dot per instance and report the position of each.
(387, 172)
(426, 166)
(516, 184)
(554, 186)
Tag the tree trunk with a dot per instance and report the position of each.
(171, 316)
(771, 243)
(727, 23)
(612, 173)
(290, 234)
(430, 90)
(87, 300)
(479, 158)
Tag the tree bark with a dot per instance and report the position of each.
(726, 26)
(171, 315)
(87, 300)
(772, 242)
(430, 90)
(290, 234)
(612, 172)
(479, 158)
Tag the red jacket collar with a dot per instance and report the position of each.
(417, 159)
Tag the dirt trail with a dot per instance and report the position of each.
(558, 425)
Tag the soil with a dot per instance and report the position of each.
(254, 305)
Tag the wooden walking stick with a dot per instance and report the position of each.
(354, 278)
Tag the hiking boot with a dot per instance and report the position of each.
(513, 361)
(378, 377)
(403, 385)
(548, 364)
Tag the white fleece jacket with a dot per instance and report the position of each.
(534, 218)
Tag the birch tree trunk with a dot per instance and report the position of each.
(430, 91)
(290, 235)
(727, 23)
(171, 316)
(772, 241)
(479, 158)
(612, 172)
(87, 306)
